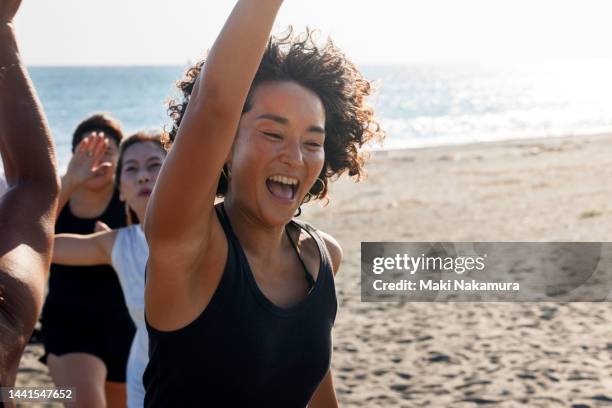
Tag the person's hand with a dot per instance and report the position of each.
(8, 9)
(86, 159)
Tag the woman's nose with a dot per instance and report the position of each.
(291, 154)
(144, 177)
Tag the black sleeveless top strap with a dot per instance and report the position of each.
(243, 350)
(307, 275)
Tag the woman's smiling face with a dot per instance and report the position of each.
(279, 151)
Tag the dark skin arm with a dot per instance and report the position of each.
(27, 209)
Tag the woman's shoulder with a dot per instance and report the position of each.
(127, 239)
(334, 249)
(331, 245)
(132, 234)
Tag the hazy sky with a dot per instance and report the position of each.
(127, 32)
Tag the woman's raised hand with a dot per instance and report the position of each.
(8, 9)
(86, 160)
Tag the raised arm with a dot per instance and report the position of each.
(27, 209)
(180, 211)
(83, 165)
(84, 250)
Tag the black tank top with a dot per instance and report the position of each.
(72, 286)
(243, 350)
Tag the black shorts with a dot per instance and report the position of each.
(106, 334)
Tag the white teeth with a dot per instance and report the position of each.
(284, 180)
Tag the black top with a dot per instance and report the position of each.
(243, 350)
(99, 285)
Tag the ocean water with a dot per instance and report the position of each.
(418, 105)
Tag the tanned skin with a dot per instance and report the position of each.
(188, 248)
(27, 209)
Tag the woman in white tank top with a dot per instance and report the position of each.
(141, 157)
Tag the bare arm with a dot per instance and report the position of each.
(84, 163)
(325, 395)
(27, 209)
(180, 211)
(84, 250)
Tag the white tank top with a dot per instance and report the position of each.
(129, 258)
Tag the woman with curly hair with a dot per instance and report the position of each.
(240, 298)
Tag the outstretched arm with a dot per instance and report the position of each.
(84, 250)
(180, 212)
(27, 209)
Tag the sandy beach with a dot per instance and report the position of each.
(466, 354)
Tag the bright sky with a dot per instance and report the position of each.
(141, 32)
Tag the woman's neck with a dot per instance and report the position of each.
(90, 203)
(256, 238)
(140, 213)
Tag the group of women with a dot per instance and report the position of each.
(233, 303)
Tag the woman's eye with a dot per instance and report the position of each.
(314, 144)
(130, 169)
(273, 135)
(154, 165)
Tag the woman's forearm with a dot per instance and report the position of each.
(236, 53)
(84, 250)
(25, 139)
(67, 188)
(209, 126)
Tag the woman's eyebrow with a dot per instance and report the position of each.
(274, 118)
(317, 129)
(284, 121)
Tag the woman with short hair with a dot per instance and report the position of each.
(240, 297)
(86, 328)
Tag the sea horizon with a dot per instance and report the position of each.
(418, 104)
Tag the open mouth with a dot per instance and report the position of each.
(282, 187)
(100, 173)
(145, 193)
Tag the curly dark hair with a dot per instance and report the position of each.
(332, 77)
